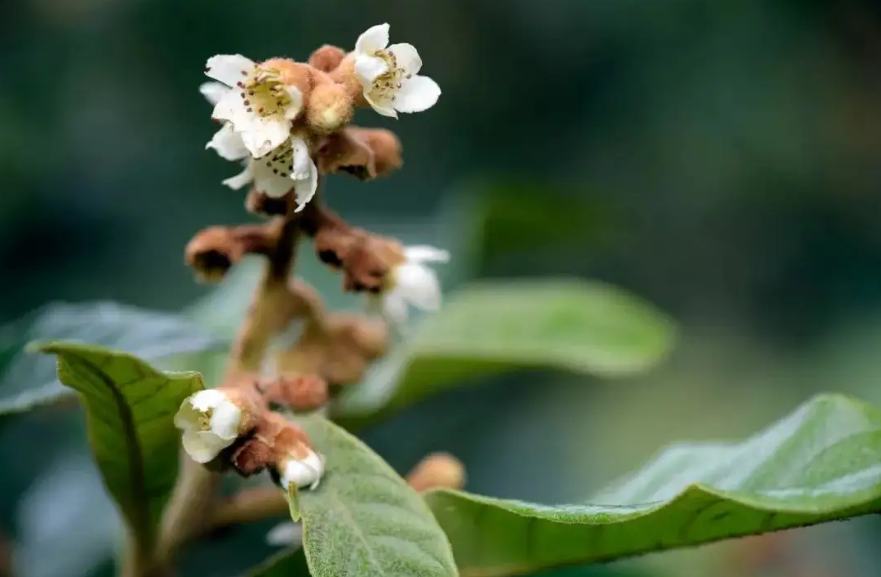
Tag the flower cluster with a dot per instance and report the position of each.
(287, 124)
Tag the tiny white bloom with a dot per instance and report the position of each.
(304, 472)
(258, 105)
(285, 535)
(389, 74)
(210, 423)
(411, 283)
(285, 168)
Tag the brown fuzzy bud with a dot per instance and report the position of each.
(327, 58)
(330, 108)
(301, 393)
(368, 263)
(384, 144)
(273, 442)
(437, 471)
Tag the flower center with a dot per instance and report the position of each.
(281, 160)
(263, 93)
(386, 85)
(204, 420)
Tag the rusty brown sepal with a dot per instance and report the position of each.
(216, 249)
(302, 393)
(273, 442)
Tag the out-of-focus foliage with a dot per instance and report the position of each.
(130, 407)
(821, 463)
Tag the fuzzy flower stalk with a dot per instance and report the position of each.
(285, 124)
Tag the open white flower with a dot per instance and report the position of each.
(305, 472)
(287, 167)
(210, 423)
(389, 74)
(411, 283)
(259, 106)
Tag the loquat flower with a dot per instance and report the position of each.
(411, 282)
(210, 422)
(389, 74)
(259, 106)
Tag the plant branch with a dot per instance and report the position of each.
(192, 504)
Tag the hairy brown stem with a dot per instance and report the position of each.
(191, 508)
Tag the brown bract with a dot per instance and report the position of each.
(272, 443)
(214, 250)
(302, 393)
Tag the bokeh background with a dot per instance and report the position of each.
(721, 159)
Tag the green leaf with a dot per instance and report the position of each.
(491, 327)
(821, 463)
(29, 381)
(363, 519)
(130, 409)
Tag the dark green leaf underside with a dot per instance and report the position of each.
(491, 327)
(29, 381)
(130, 409)
(822, 463)
(364, 520)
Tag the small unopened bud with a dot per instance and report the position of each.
(211, 421)
(327, 58)
(302, 393)
(437, 471)
(330, 108)
(301, 471)
(386, 148)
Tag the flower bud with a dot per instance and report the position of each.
(330, 108)
(437, 471)
(301, 470)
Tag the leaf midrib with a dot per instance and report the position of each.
(140, 520)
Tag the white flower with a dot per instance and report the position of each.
(271, 174)
(210, 423)
(259, 106)
(285, 535)
(389, 74)
(305, 472)
(412, 283)
(285, 168)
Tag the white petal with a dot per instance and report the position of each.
(264, 135)
(293, 109)
(285, 535)
(200, 446)
(225, 421)
(186, 417)
(383, 107)
(240, 180)
(207, 399)
(407, 57)
(369, 68)
(305, 189)
(232, 109)
(425, 253)
(302, 163)
(228, 143)
(302, 473)
(417, 94)
(394, 307)
(418, 285)
(214, 91)
(228, 68)
(269, 183)
(375, 38)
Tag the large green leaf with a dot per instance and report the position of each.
(821, 463)
(29, 381)
(364, 520)
(490, 327)
(130, 409)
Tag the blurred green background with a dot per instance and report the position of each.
(720, 158)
